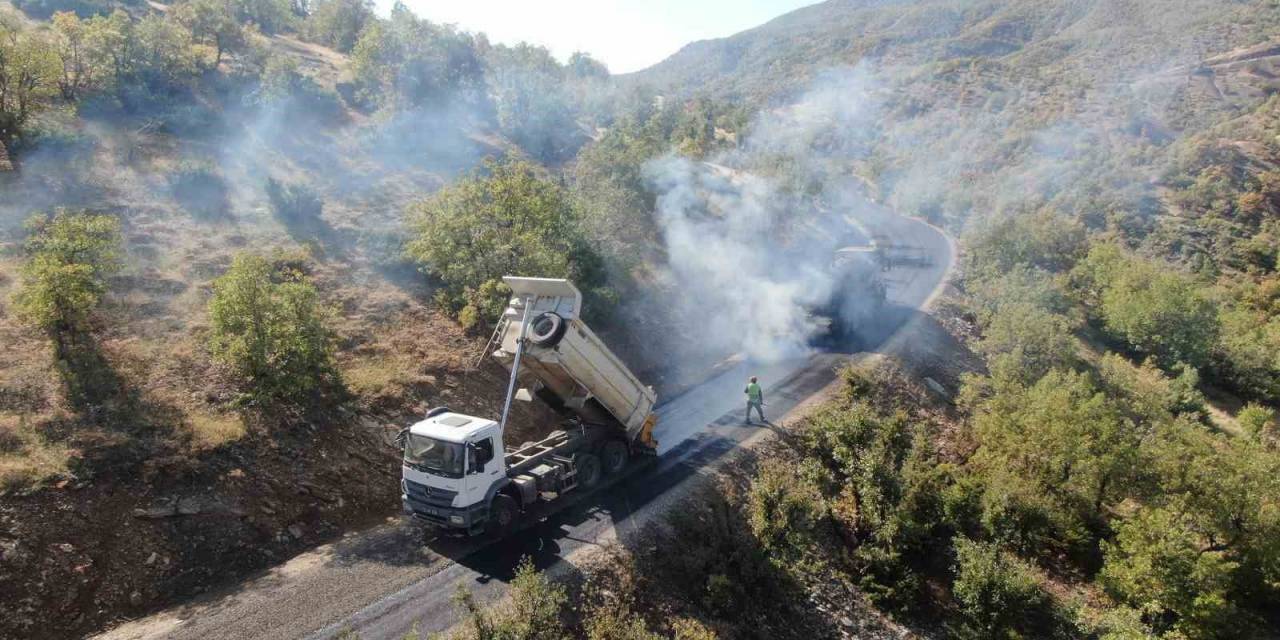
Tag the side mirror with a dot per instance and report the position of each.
(401, 438)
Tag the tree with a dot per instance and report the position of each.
(1161, 312)
(582, 65)
(409, 63)
(338, 23)
(81, 69)
(527, 85)
(506, 221)
(1025, 342)
(1160, 565)
(1061, 433)
(69, 257)
(213, 22)
(269, 327)
(270, 16)
(997, 593)
(29, 73)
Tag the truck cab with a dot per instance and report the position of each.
(453, 464)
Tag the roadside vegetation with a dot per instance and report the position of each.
(209, 289)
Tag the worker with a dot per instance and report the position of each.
(755, 398)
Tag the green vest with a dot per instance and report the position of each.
(754, 393)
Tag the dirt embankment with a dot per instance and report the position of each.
(135, 537)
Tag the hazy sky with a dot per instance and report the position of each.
(628, 35)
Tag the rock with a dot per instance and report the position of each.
(65, 547)
(267, 510)
(937, 388)
(14, 554)
(845, 622)
(151, 559)
(135, 599)
(296, 531)
(155, 513)
(189, 507)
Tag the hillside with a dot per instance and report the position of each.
(240, 242)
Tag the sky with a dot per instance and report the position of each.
(627, 35)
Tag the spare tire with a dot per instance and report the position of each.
(547, 329)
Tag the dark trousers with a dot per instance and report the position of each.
(759, 407)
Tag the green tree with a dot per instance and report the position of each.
(1024, 342)
(1162, 313)
(406, 63)
(29, 73)
(1063, 434)
(1160, 565)
(506, 221)
(528, 89)
(1044, 239)
(214, 23)
(998, 594)
(82, 70)
(270, 328)
(69, 257)
(338, 23)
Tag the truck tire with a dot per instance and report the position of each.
(589, 471)
(547, 329)
(504, 513)
(614, 456)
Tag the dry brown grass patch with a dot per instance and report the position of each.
(26, 458)
(212, 430)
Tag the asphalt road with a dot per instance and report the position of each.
(388, 580)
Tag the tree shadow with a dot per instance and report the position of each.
(113, 417)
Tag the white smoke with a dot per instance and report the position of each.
(749, 256)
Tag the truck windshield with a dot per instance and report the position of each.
(434, 456)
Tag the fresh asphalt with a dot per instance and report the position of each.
(389, 580)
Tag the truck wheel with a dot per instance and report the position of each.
(588, 470)
(503, 514)
(547, 329)
(614, 455)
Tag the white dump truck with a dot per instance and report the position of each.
(459, 477)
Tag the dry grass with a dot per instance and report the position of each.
(211, 430)
(379, 376)
(26, 458)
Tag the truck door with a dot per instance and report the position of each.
(485, 465)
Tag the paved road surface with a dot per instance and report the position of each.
(385, 581)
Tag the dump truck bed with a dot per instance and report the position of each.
(576, 366)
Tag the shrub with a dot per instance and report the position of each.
(509, 222)
(270, 329)
(1258, 421)
(1025, 342)
(69, 257)
(534, 612)
(200, 188)
(998, 594)
(1160, 565)
(294, 204)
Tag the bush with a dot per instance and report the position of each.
(270, 329)
(508, 222)
(294, 204)
(998, 594)
(534, 612)
(69, 257)
(1160, 565)
(200, 188)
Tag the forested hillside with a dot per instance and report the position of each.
(227, 263)
(238, 237)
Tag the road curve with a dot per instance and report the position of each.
(386, 581)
